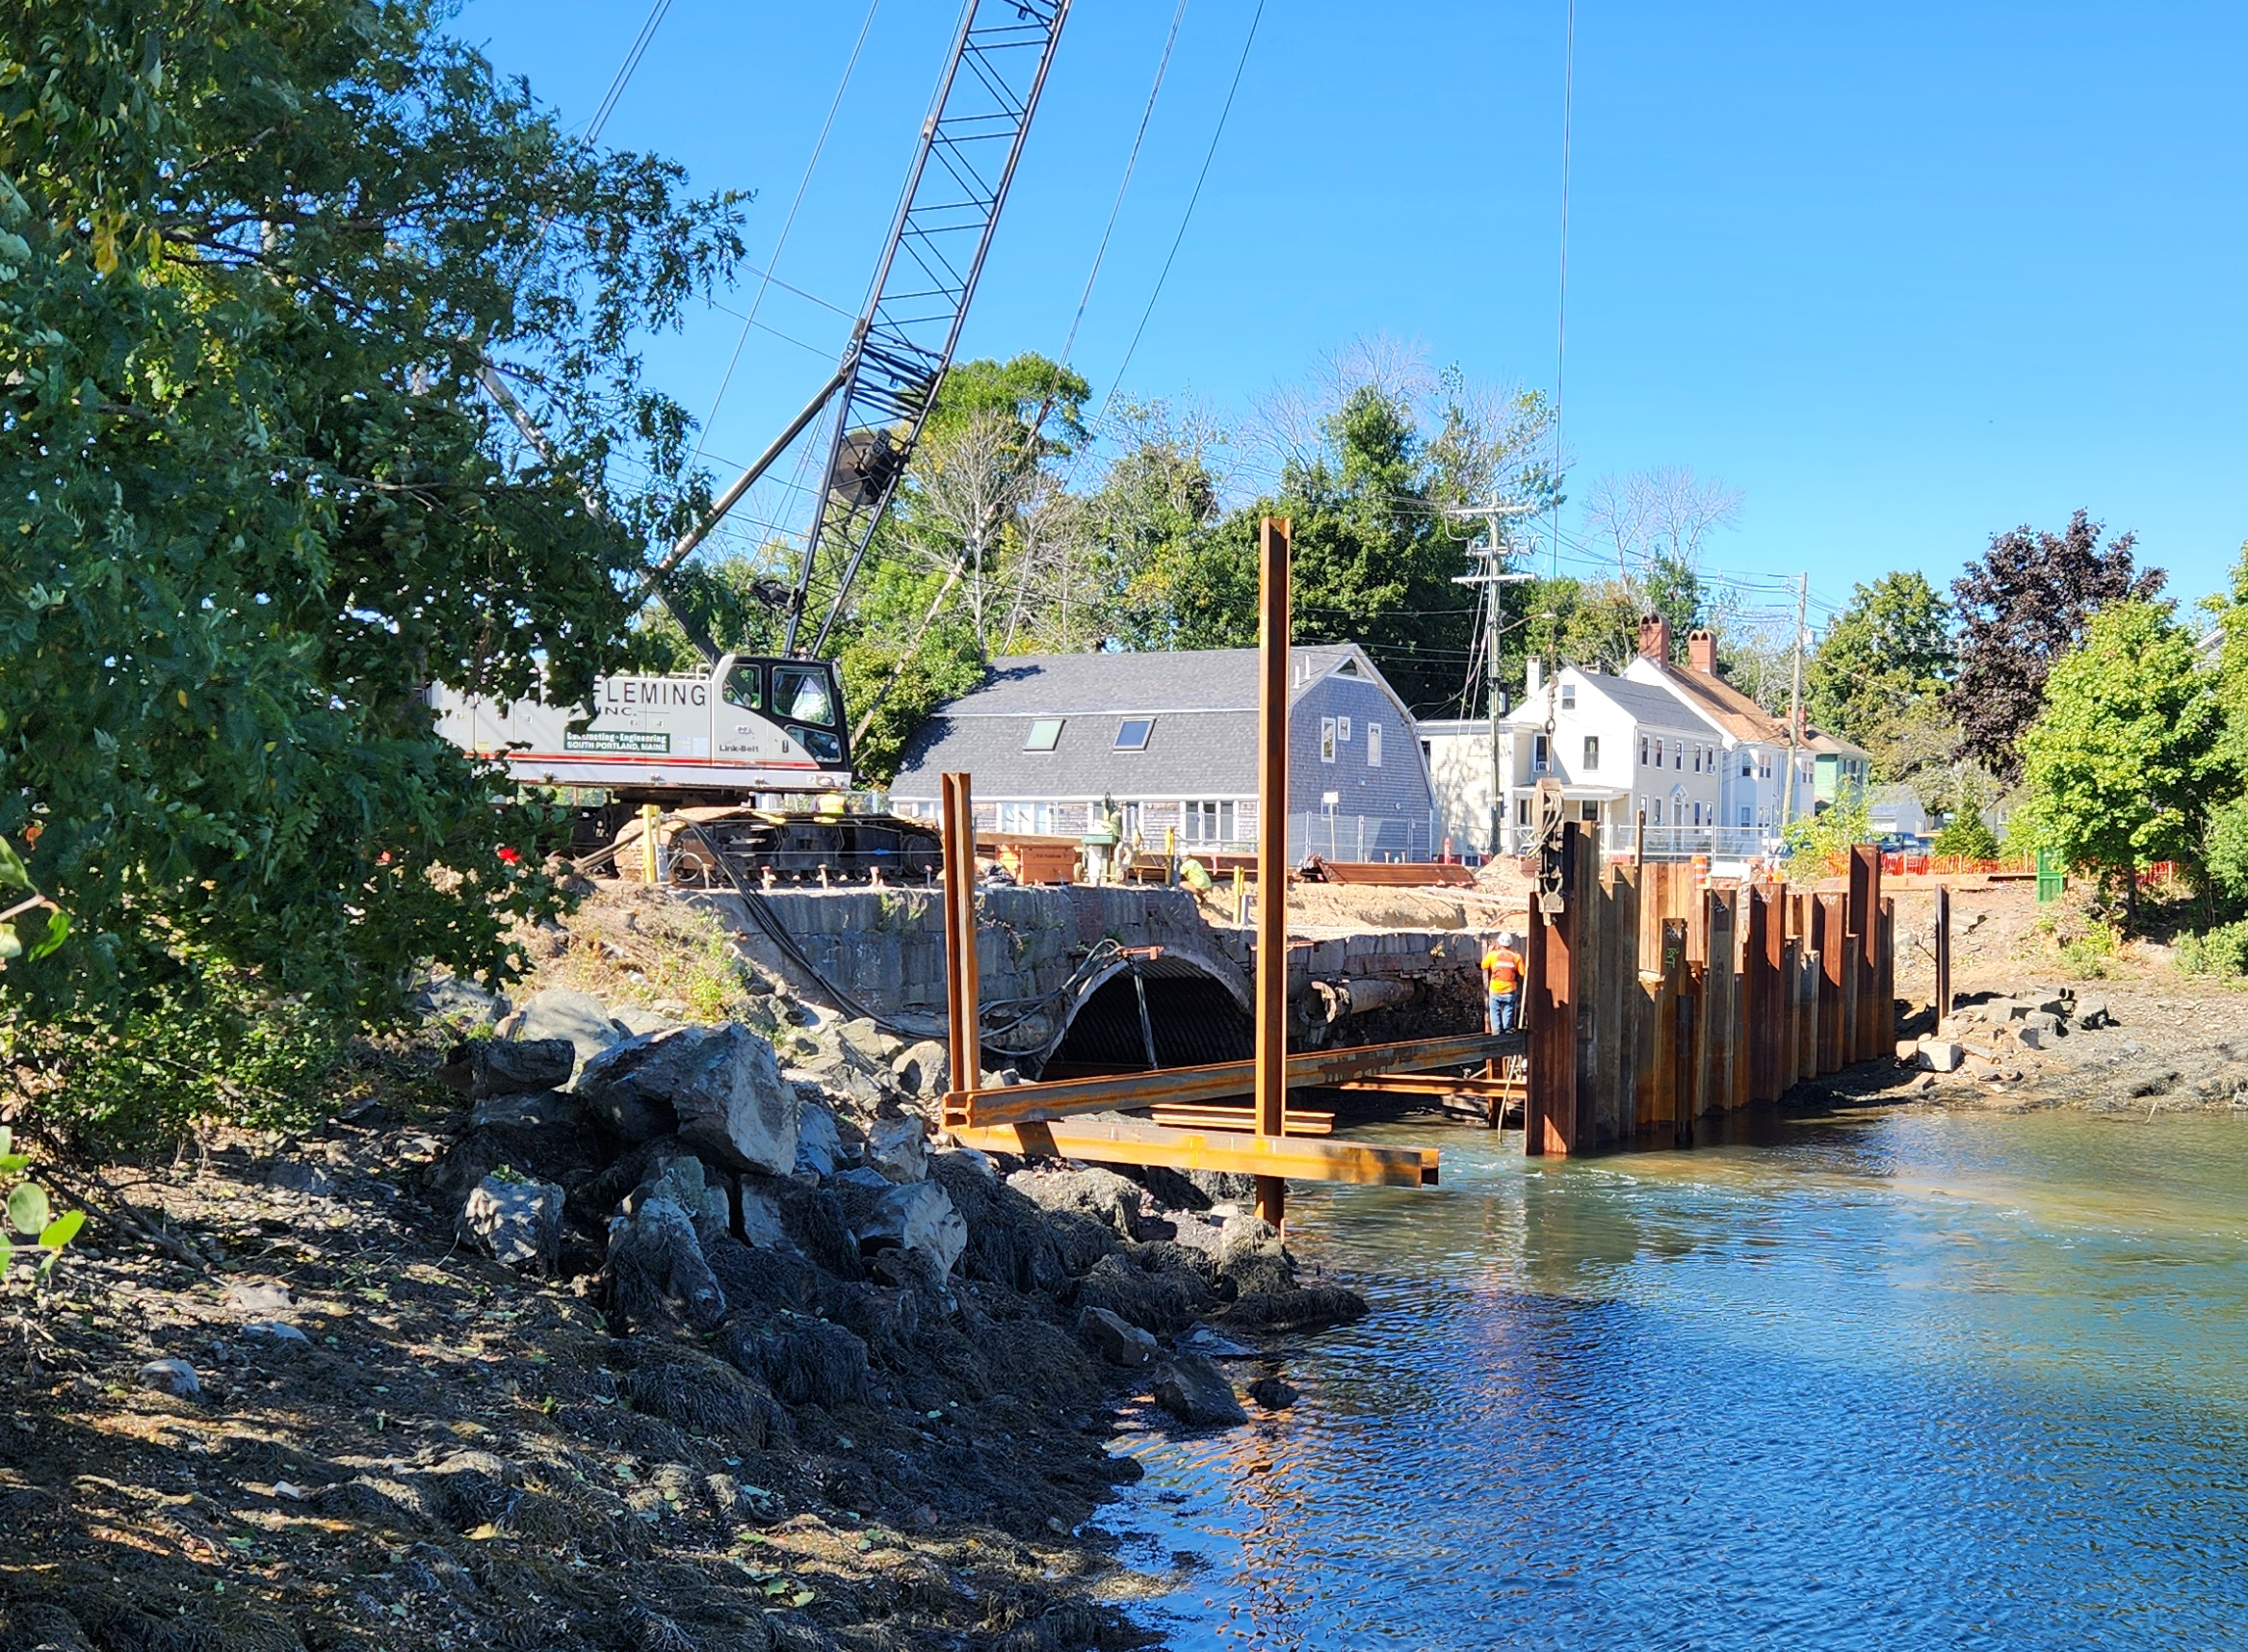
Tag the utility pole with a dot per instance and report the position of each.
(1491, 550)
(1795, 703)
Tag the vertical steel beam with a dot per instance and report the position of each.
(1943, 955)
(1272, 1094)
(963, 987)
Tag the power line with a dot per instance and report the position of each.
(624, 72)
(1130, 162)
(819, 148)
(1561, 308)
(1187, 216)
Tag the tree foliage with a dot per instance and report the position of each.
(258, 257)
(2020, 607)
(2116, 767)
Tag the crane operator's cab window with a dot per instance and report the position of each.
(800, 695)
(744, 687)
(803, 695)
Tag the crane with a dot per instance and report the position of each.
(763, 730)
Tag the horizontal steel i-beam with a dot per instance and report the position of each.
(1130, 1141)
(1330, 1069)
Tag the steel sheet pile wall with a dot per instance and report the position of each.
(1655, 999)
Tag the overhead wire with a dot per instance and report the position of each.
(766, 281)
(624, 70)
(1131, 163)
(1209, 154)
(1562, 304)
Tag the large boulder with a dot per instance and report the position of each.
(557, 1013)
(1102, 1195)
(918, 1216)
(488, 1067)
(818, 1143)
(688, 1183)
(899, 1147)
(717, 1088)
(514, 1222)
(459, 1002)
(656, 1263)
(921, 1069)
(1118, 1341)
(1194, 1390)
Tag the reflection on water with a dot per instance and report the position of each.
(1901, 1380)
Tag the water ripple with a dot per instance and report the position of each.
(1896, 1382)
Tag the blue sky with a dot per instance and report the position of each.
(1904, 276)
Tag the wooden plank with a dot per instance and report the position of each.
(1215, 1081)
(1130, 1141)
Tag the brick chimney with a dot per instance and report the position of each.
(1654, 638)
(1701, 648)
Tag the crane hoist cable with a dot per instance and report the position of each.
(773, 262)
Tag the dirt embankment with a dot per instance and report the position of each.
(330, 1421)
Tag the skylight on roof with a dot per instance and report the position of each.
(1132, 734)
(1045, 734)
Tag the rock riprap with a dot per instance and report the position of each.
(718, 1089)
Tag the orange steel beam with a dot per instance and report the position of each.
(1271, 1064)
(1435, 1083)
(1129, 1142)
(1237, 1118)
(963, 986)
(1321, 1070)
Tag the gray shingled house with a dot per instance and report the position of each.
(1172, 741)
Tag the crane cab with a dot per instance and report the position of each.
(748, 726)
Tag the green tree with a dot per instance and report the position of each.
(261, 261)
(2116, 769)
(1889, 650)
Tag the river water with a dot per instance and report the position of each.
(1891, 1381)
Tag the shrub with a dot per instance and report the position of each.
(1966, 836)
(214, 1045)
(2091, 955)
(2220, 951)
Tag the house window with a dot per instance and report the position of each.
(1678, 755)
(1522, 811)
(1209, 822)
(1132, 734)
(1568, 697)
(1744, 767)
(1032, 819)
(1591, 752)
(1326, 740)
(1373, 746)
(1764, 765)
(1541, 759)
(1697, 759)
(1656, 818)
(1342, 729)
(1744, 817)
(1045, 734)
(1642, 752)
(1588, 810)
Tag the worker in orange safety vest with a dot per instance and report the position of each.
(1503, 979)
